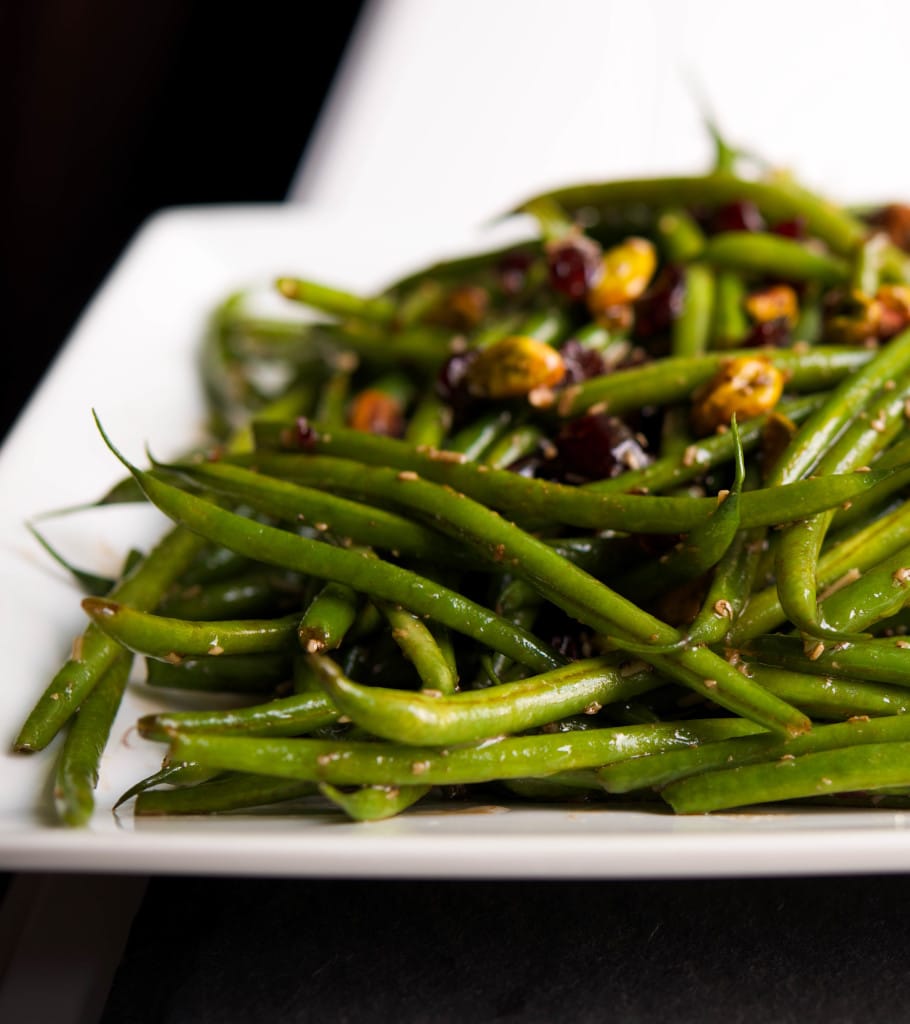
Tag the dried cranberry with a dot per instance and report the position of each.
(580, 363)
(573, 264)
(795, 228)
(597, 446)
(452, 379)
(564, 633)
(512, 271)
(894, 220)
(305, 435)
(741, 215)
(566, 645)
(660, 305)
(769, 334)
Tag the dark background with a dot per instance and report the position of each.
(114, 110)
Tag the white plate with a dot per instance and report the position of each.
(132, 359)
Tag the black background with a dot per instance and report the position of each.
(113, 111)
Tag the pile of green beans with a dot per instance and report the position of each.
(615, 513)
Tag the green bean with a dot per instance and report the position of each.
(675, 439)
(297, 715)
(429, 422)
(475, 438)
(535, 501)
(419, 646)
(867, 506)
(884, 660)
(880, 592)
(93, 651)
(575, 591)
(422, 347)
(661, 769)
(691, 329)
(382, 579)
(799, 545)
(328, 618)
(333, 397)
(374, 803)
(514, 445)
(702, 455)
(839, 566)
(867, 265)
(172, 774)
(238, 673)
(809, 324)
(729, 590)
(568, 787)
(254, 339)
(460, 268)
(396, 569)
(825, 424)
(89, 582)
(519, 603)
(489, 333)
(595, 337)
(675, 378)
(324, 512)
(419, 303)
(870, 766)
(335, 301)
(296, 401)
(232, 792)
(767, 254)
(826, 697)
(488, 534)
(360, 763)
(777, 202)
(552, 220)
(681, 239)
(86, 737)
(729, 324)
(228, 390)
(170, 639)
(435, 720)
(214, 565)
(549, 326)
(700, 550)
(260, 590)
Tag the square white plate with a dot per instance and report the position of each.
(131, 358)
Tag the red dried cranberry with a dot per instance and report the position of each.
(564, 633)
(452, 379)
(580, 363)
(741, 215)
(304, 434)
(769, 334)
(597, 446)
(572, 264)
(512, 271)
(795, 228)
(894, 220)
(567, 645)
(660, 305)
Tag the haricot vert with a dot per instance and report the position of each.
(614, 512)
